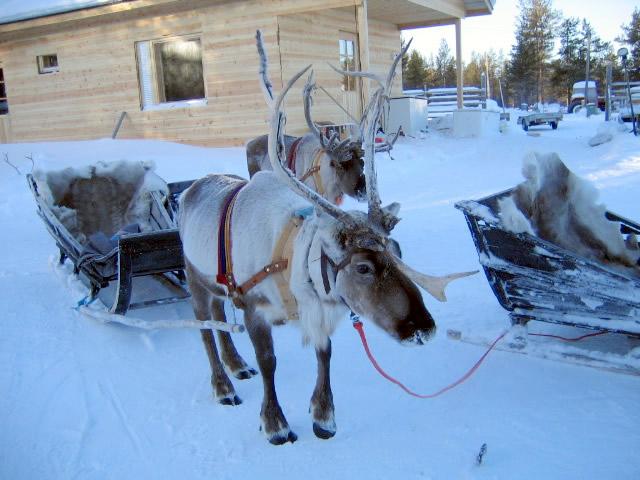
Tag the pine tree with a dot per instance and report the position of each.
(566, 68)
(631, 37)
(530, 56)
(414, 75)
(445, 65)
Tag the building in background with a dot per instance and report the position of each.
(186, 70)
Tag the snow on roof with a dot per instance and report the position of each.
(592, 83)
(17, 10)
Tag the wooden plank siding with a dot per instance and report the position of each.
(98, 75)
(313, 38)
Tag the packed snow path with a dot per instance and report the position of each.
(85, 400)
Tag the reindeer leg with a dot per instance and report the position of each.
(324, 424)
(202, 300)
(230, 356)
(273, 423)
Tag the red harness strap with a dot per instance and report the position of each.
(225, 267)
(291, 157)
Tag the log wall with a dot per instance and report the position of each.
(98, 75)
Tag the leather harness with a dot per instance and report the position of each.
(279, 266)
(313, 170)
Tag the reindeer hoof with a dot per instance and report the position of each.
(322, 433)
(281, 438)
(230, 400)
(245, 373)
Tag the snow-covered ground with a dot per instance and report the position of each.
(86, 400)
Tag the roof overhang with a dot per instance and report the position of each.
(403, 13)
(425, 13)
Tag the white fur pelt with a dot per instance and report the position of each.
(103, 197)
(255, 229)
(560, 207)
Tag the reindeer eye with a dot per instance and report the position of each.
(364, 269)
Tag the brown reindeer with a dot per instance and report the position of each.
(338, 261)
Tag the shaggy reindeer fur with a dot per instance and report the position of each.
(561, 208)
(101, 198)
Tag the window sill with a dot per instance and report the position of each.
(200, 102)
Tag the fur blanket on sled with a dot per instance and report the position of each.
(101, 198)
(556, 205)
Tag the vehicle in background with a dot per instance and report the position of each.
(578, 95)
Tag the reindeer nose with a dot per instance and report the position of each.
(424, 335)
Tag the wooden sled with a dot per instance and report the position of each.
(144, 269)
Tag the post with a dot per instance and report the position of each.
(607, 93)
(362, 23)
(459, 72)
(586, 86)
(118, 125)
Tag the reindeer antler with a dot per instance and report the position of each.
(276, 143)
(368, 125)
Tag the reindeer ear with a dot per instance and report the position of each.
(392, 209)
(389, 216)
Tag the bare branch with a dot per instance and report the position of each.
(6, 159)
(33, 163)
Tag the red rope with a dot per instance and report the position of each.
(358, 326)
(567, 339)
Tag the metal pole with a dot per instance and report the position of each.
(460, 73)
(626, 79)
(607, 93)
(586, 86)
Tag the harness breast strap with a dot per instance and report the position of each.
(315, 171)
(279, 267)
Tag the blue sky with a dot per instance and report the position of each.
(497, 30)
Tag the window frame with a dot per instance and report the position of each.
(150, 74)
(349, 84)
(42, 70)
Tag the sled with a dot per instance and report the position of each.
(534, 279)
(141, 270)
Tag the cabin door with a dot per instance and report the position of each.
(350, 60)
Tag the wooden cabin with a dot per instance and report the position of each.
(186, 70)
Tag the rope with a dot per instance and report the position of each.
(357, 324)
(567, 339)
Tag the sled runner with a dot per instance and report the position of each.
(534, 279)
(137, 266)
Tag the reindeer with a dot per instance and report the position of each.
(339, 262)
(331, 167)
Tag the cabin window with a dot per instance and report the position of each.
(48, 63)
(348, 62)
(4, 105)
(170, 72)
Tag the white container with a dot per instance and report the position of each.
(475, 123)
(410, 113)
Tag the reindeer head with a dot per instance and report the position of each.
(356, 264)
(358, 269)
(344, 159)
